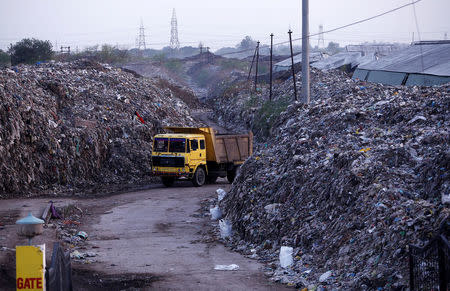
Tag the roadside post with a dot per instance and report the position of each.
(30, 260)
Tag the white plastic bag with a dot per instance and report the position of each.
(220, 194)
(232, 267)
(225, 228)
(216, 213)
(286, 256)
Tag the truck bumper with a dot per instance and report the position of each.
(171, 172)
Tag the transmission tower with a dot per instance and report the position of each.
(174, 42)
(321, 41)
(141, 38)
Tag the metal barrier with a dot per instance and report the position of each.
(59, 274)
(429, 267)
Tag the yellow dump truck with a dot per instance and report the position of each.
(198, 154)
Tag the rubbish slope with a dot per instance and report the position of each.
(348, 181)
(70, 127)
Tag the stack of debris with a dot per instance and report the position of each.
(239, 106)
(348, 181)
(76, 126)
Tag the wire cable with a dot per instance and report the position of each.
(340, 27)
(418, 34)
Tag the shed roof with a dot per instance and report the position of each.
(344, 58)
(313, 57)
(429, 57)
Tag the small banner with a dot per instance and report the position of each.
(30, 267)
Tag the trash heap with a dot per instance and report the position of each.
(348, 181)
(80, 126)
(238, 105)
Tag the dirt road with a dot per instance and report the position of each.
(160, 235)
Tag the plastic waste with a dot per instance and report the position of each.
(216, 213)
(286, 256)
(82, 234)
(232, 267)
(220, 194)
(325, 276)
(225, 228)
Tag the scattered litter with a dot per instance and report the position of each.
(220, 194)
(325, 276)
(215, 213)
(225, 228)
(286, 256)
(82, 234)
(232, 267)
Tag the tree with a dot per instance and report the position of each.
(30, 51)
(4, 59)
(333, 47)
(247, 43)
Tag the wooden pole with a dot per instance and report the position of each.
(251, 66)
(292, 66)
(257, 60)
(271, 52)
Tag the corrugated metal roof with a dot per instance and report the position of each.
(434, 55)
(313, 57)
(341, 59)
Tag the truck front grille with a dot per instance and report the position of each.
(158, 161)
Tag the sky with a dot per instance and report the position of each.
(215, 23)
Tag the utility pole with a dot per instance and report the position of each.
(271, 51)
(251, 66)
(257, 60)
(305, 52)
(292, 64)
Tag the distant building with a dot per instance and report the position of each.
(424, 63)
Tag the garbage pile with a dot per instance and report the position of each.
(348, 181)
(70, 127)
(239, 105)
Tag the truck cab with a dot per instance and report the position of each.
(179, 156)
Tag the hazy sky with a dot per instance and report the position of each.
(216, 23)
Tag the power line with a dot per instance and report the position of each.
(418, 33)
(337, 28)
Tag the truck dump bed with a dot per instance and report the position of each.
(222, 148)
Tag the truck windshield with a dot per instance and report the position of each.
(177, 145)
(161, 144)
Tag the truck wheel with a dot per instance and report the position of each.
(168, 181)
(231, 174)
(199, 177)
(211, 179)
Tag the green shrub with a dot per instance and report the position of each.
(267, 115)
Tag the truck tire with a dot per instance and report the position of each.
(231, 174)
(168, 181)
(211, 179)
(199, 177)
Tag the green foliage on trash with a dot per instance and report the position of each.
(268, 114)
(30, 51)
(5, 59)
